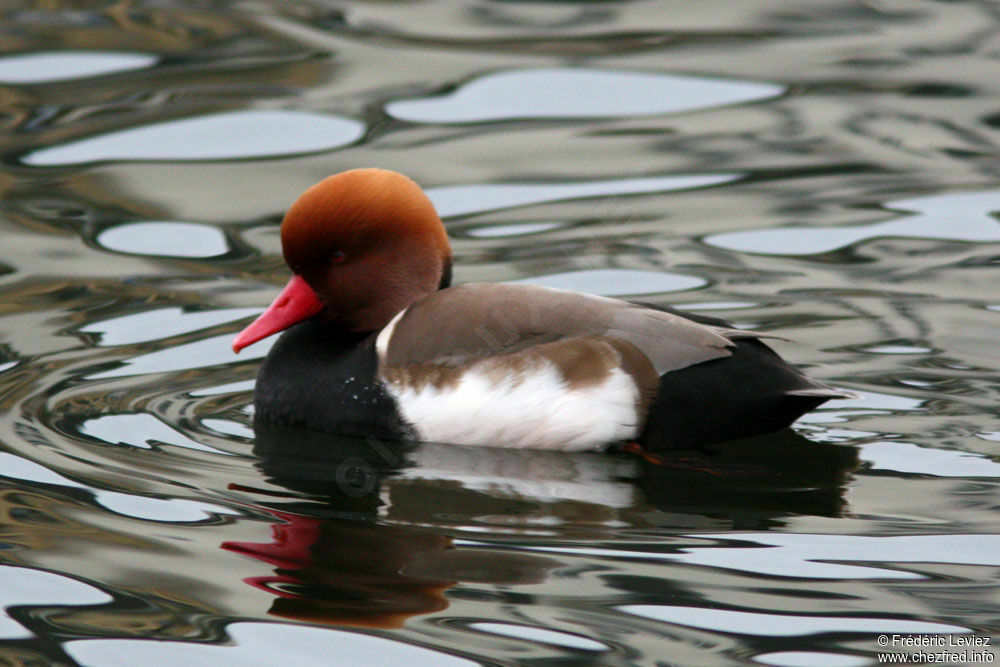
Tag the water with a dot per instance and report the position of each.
(826, 172)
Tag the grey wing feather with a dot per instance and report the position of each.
(481, 319)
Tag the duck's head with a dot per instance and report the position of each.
(362, 245)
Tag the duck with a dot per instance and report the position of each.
(377, 343)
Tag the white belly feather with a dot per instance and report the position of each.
(530, 409)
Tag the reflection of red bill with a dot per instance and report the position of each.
(289, 549)
(343, 572)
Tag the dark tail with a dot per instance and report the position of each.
(750, 393)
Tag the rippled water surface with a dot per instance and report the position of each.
(826, 171)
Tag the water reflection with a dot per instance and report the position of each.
(827, 556)
(212, 351)
(337, 501)
(576, 93)
(615, 282)
(165, 239)
(46, 67)
(755, 482)
(563, 639)
(261, 643)
(459, 200)
(363, 574)
(810, 659)
(221, 136)
(175, 510)
(324, 569)
(841, 190)
(517, 229)
(950, 217)
(906, 457)
(749, 483)
(22, 586)
(784, 625)
(139, 430)
(160, 323)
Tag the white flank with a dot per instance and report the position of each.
(536, 410)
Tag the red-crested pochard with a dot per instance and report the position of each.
(377, 343)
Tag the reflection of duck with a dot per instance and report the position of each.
(333, 563)
(363, 529)
(753, 482)
(373, 478)
(427, 484)
(362, 532)
(364, 574)
(346, 572)
(384, 347)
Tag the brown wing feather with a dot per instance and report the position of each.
(481, 319)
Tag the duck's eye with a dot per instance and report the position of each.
(337, 256)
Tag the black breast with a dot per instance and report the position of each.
(320, 378)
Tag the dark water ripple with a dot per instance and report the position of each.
(827, 173)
